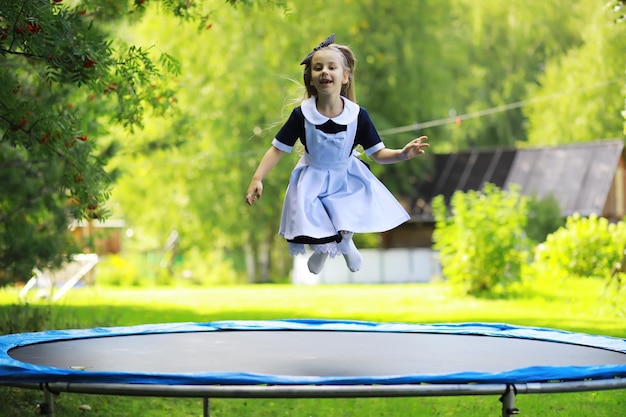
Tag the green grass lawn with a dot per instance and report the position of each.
(576, 306)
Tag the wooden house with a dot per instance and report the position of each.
(102, 238)
(585, 178)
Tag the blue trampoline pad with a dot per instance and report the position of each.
(310, 352)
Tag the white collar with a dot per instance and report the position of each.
(349, 114)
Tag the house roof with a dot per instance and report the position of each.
(578, 176)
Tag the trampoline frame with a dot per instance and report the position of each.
(505, 388)
(507, 392)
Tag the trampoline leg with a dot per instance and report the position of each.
(206, 407)
(508, 402)
(46, 408)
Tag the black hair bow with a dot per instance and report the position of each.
(328, 41)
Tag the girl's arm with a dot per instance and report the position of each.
(269, 161)
(410, 150)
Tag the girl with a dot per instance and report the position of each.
(331, 193)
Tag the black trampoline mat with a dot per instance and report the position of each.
(310, 353)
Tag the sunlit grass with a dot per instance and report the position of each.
(577, 306)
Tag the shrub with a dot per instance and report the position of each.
(116, 270)
(544, 217)
(481, 239)
(205, 268)
(584, 247)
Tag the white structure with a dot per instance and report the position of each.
(379, 267)
(65, 278)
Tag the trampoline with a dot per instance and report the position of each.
(312, 359)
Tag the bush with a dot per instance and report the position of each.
(481, 240)
(193, 267)
(207, 268)
(118, 271)
(544, 217)
(584, 247)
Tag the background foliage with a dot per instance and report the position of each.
(584, 247)
(480, 240)
(464, 67)
(174, 102)
(486, 246)
(63, 80)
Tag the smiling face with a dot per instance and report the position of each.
(328, 74)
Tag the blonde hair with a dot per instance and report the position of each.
(349, 65)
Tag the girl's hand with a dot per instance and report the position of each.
(255, 190)
(415, 147)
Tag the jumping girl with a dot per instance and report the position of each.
(332, 194)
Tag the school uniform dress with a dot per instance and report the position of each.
(330, 190)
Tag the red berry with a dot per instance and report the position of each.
(20, 125)
(45, 137)
(33, 27)
(89, 63)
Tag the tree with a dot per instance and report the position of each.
(64, 80)
(417, 61)
(248, 85)
(231, 96)
(584, 87)
(620, 10)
